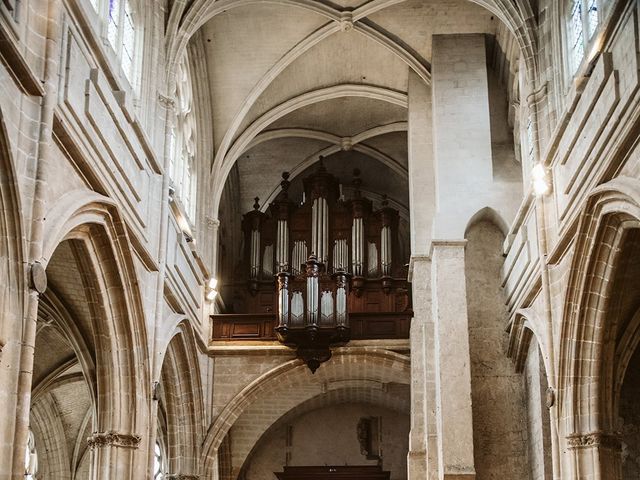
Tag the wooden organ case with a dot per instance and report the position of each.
(345, 236)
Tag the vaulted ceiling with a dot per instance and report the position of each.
(290, 80)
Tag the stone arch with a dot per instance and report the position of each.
(223, 166)
(13, 287)
(348, 367)
(54, 309)
(106, 261)
(525, 328)
(490, 215)
(364, 393)
(53, 456)
(182, 399)
(586, 361)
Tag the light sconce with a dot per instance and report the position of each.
(540, 180)
(211, 291)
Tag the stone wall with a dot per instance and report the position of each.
(329, 436)
(497, 391)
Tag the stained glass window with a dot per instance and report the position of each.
(584, 20)
(577, 35)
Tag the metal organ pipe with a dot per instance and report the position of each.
(357, 246)
(255, 254)
(320, 229)
(325, 231)
(385, 242)
(282, 250)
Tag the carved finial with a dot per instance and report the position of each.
(256, 205)
(285, 183)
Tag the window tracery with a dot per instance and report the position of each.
(584, 20)
(183, 141)
(158, 462)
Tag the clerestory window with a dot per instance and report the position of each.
(183, 139)
(119, 18)
(584, 20)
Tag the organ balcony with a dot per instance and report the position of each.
(340, 242)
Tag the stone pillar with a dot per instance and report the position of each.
(113, 455)
(422, 458)
(595, 455)
(452, 361)
(461, 132)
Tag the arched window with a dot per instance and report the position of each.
(30, 458)
(584, 19)
(183, 139)
(158, 462)
(120, 22)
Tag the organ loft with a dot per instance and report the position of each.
(327, 263)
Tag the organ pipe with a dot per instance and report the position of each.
(385, 257)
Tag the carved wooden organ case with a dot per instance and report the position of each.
(346, 235)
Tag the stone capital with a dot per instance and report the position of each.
(594, 440)
(181, 476)
(113, 439)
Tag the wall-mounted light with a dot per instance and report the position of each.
(540, 180)
(211, 291)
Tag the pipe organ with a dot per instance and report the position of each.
(344, 235)
(347, 241)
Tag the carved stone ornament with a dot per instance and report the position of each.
(550, 397)
(113, 439)
(594, 439)
(38, 277)
(181, 476)
(166, 102)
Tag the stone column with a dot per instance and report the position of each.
(422, 458)
(595, 455)
(461, 133)
(452, 361)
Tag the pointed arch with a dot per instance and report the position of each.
(490, 215)
(182, 402)
(106, 262)
(346, 368)
(586, 364)
(222, 169)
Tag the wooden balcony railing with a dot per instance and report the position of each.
(260, 326)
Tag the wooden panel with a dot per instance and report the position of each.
(355, 472)
(364, 326)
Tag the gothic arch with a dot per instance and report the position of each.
(490, 215)
(182, 398)
(346, 368)
(367, 393)
(524, 329)
(106, 260)
(12, 248)
(585, 380)
(53, 454)
(221, 169)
